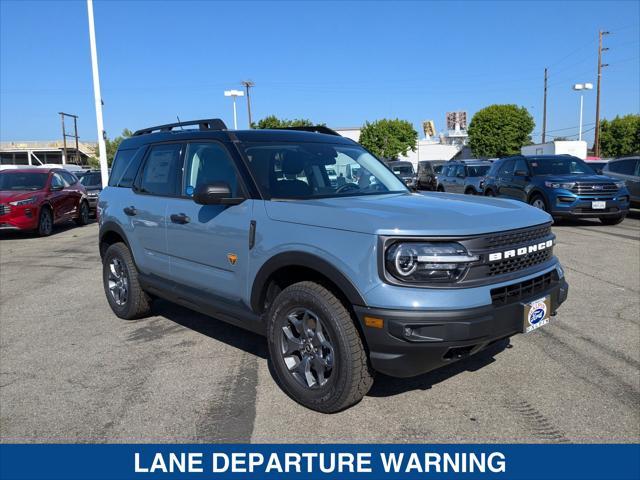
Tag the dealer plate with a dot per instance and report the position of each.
(598, 205)
(536, 314)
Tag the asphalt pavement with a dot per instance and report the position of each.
(71, 371)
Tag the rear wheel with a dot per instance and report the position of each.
(83, 214)
(316, 351)
(612, 220)
(470, 191)
(440, 188)
(121, 285)
(538, 202)
(489, 193)
(45, 222)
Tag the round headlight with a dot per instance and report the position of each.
(405, 260)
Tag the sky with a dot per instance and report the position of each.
(338, 63)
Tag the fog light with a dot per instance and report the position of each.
(565, 199)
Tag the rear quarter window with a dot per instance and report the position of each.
(125, 167)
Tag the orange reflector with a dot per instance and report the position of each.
(373, 322)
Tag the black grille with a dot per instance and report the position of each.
(4, 209)
(509, 265)
(523, 290)
(594, 188)
(517, 237)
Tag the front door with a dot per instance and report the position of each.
(209, 244)
(503, 181)
(519, 180)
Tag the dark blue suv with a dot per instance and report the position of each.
(562, 185)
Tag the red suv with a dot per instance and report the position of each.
(38, 198)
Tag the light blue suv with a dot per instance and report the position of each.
(345, 276)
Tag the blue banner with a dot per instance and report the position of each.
(242, 461)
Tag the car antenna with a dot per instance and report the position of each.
(181, 127)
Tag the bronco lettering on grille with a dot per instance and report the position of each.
(494, 257)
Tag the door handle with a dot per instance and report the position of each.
(130, 211)
(179, 218)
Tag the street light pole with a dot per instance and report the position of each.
(104, 167)
(233, 94)
(580, 87)
(247, 85)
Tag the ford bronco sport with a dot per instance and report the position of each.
(344, 277)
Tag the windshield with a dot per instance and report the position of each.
(560, 166)
(402, 169)
(302, 170)
(22, 181)
(477, 170)
(91, 180)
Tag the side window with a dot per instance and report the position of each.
(125, 167)
(162, 170)
(521, 166)
(460, 171)
(207, 163)
(69, 178)
(57, 181)
(624, 167)
(506, 168)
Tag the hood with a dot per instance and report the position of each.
(577, 178)
(7, 196)
(410, 214)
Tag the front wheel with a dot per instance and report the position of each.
(538, 202)
(611, 220)
(45, 222)
(489, 193)
(316, 351)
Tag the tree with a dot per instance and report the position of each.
(500, 130)
(620, 136)
(112, 145)
(274, 122)
(389, 138)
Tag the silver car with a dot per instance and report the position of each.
(627, 169)
(463, 177)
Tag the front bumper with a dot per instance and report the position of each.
(564, 203)
(415, 342)
(20, 218)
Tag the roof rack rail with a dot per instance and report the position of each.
(205, 124)
(314, 128)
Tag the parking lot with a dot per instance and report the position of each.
(73, 372)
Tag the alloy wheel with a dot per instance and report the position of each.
(118, 281)
(539, 203)
(306, 349)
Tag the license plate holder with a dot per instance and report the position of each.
(598, 205)
(536, 314)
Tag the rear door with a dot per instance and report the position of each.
(157, 182)
(209, 244)
(519, 180)
(456, 179)
(72, 192)
(503, 178)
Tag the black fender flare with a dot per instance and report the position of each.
(108, 227)
(307, 260)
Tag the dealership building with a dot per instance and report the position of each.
(45, 153)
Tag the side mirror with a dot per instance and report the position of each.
(218, 193)
(520, 173)
(599, 171)
(56, 188)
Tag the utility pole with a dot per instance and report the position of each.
(596, 140)
(65, 158)
(104, 167)
(544, 108)
(247, 85)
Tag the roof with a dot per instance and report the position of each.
(249, 136)
(32, 170)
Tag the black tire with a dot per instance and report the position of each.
(470, 191)
(612, 220)
(489, 193)
(135, 303)
(45, 222)
(349, 377)
(538, 201)
(440, 188)
(83, 214)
